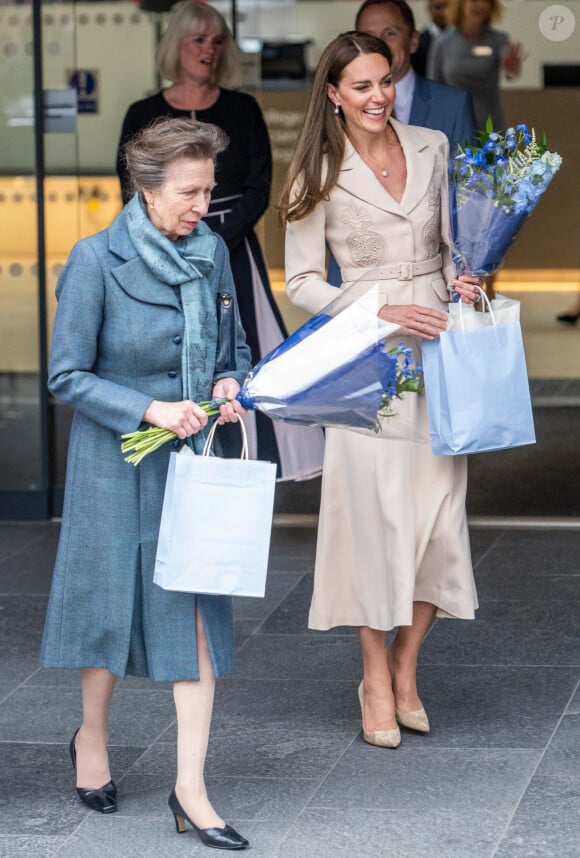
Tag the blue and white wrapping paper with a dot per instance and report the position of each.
(331, 371)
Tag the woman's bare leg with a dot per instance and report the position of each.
(403, 656)
(91, 740)
(379, 701)
(193, 705)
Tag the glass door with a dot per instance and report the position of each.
(101, 53)
(23, 423)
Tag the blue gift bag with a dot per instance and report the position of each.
(477, 390)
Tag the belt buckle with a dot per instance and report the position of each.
(405, 271)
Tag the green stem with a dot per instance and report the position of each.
(144, 441)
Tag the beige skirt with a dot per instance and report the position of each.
(392, 528)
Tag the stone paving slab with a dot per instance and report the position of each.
(497, 777)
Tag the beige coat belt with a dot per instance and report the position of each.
(395, 271)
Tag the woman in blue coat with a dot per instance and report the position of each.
(136, 341)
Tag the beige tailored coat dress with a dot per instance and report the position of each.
(392, 527)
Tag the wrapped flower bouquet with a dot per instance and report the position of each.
(493, 189)
(333, 371)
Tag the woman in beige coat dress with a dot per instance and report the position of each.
(393, 546)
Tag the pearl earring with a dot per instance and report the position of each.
(337, 108)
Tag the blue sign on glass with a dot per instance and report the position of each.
(86, 83)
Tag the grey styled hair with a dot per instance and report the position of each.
(189, 17)
(153, 149)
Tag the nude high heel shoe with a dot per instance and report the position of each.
(380, 738)
(416, 720)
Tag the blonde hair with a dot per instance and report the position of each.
(455, 13)
(189, 17)
(150, 152)
(323, 131)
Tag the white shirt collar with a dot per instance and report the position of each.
(404, 97)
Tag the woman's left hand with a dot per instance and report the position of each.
(466, 286)
(228, 388)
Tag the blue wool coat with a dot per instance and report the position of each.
(116, 347)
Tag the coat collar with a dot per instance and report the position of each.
(132, 274)
(359, 181)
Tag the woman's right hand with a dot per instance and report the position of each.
(513, 60)
(414, 319)
(185, 418)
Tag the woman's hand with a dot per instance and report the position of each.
(513, 60)
(228, 388)
(185, 418)
(415, 319)
(466, 287)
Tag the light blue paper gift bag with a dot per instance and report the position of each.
(476, 385)
(215, 523)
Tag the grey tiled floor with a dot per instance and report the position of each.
(498, 777)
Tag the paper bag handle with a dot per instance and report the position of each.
(486, 300)
(209, 440)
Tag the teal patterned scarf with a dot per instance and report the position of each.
(186, 264)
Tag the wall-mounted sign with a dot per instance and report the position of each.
(60, 111)
(86, 83)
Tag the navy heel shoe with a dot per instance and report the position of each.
(219, 838)
(103, 799)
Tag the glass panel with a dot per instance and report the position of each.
(20, 434)
(105, 52)
(277, 50)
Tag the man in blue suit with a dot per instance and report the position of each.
(418, 101)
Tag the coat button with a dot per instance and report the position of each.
(172, 373)
(177, 340)
(176, 444)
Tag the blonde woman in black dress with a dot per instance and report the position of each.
(197, 52)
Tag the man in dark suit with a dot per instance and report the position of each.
(418, 101)
(437, 11)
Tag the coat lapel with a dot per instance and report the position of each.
(359, 181)
(420, 104)
(132, 274)
(420, 157)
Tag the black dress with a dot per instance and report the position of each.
(240, 198)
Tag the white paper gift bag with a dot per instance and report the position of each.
(216, 523)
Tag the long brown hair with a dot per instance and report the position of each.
(323, 131)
